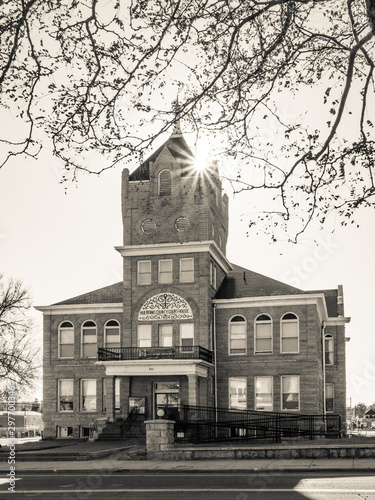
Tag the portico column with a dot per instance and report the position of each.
(110, 398)
(193, 389)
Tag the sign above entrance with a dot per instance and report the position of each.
(165, 306)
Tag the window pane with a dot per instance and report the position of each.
(89, 336)
(289, 345)
(187, 334)
(67, 336)
(187, 270)
(65, 395)
(165, 271)
(67, 351)
(88, 388)
(263, 393)
(165, 335)
(290, 393)
(144, 272)
(290, 329)
(263, 330)
(144, 335)
(237, 335)
(89, 350)
(237, 393)
(264, 345)
(263, 336)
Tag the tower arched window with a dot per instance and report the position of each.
(263, 334)
(112, 334)
(329, 350)
(89, 339)
(289, 333)
(66, 340)
(237, 335)
(165, 183)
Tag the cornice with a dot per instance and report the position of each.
(277, 300)
(81, 308)
(177, 248)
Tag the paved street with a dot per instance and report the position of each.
(198, 486)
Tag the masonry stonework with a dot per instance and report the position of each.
(175, 222)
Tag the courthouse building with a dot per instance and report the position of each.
(186, 325)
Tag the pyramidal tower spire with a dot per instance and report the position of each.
(176, 132)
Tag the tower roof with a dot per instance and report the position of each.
(176, 145)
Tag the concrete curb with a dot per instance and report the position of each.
(203, 471)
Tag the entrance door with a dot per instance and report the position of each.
(167, 397)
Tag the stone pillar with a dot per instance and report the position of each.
(159, 436)
(193, 390)
(110, 398)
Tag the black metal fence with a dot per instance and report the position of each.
(134, 353)
(203, 424)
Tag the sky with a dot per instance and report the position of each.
(60, 242)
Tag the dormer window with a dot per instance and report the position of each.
(165, 183)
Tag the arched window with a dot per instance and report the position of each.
(89, 339)
(263, 334)
(112, 334)
(329, 350)
(165, 183)
(237, 335)
(66, 340)
(289, 333)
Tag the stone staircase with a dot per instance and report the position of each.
(111, 431)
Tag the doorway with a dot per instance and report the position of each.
(167, 398)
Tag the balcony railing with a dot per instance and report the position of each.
(151, 353)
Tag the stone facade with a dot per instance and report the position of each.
(185, 325)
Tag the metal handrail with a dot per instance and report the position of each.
(137, 353)
(203, 424)
(129, 420)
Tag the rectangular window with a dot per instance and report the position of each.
(165, 335)
(144, 336)
(186, 336)
(211, 273)
(88, 395)
(329, 350)
(89, 342)
(264, 393)
(289, 336)
(237, 336)
(329, 397)
(144, 272)
(112, 336)
(290, 392)
(165, 271)
(66, 343)
(65, 395)
(238, 393)
(187, 270)
(263, 336)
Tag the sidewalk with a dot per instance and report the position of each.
(64, 456)
(107, 466)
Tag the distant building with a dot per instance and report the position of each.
(369, 418)
(27, 424)
(186, 325)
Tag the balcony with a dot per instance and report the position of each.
(154, 353)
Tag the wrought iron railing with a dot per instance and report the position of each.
(207, 424)
(129, 421)
(135, 353)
